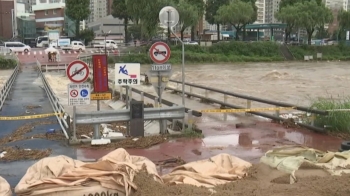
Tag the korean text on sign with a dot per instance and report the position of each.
(100, 73)
(127, 74)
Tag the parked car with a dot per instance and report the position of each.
(75, 45)
(191, 43)
(17, 47)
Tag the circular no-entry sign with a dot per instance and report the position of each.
(160, 52)
(78, 71)
(73, 93)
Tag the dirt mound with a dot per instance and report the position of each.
(261, 180)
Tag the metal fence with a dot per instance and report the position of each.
(62, 117)
(7, 86)
(224, 103)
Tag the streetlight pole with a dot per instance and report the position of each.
(183, 66)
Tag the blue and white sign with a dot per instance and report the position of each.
(63, 42)
(79, 94)
(127, 74)
(84, 93)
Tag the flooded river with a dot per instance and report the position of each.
(293, 82)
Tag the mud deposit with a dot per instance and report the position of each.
(261, 181)
(17, 153)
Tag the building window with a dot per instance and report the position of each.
(46, 12)
(54, 11)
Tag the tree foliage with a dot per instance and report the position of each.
(119, 10)
(237, 13)
(77, 10)
(200, 7)
(211, 8)
(87, 35)
(311, 16)
(287, 15)
(189, 15)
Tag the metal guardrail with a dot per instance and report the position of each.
(63, 120)
(7, 86)
(249, 100)
(98, 117)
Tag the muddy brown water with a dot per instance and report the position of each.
(292, 82)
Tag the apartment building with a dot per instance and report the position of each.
(49, 15)
(98, 9)
(260, 4)
(7, 19)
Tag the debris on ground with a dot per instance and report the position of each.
(87, 130)
(16, 153)
(19, 134)
(30, 107)
(143, 142)
(290, 123)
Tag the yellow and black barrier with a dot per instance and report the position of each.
(246, 110)
(27, 117)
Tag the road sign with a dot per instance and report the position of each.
(77, 71)
(161, 67)
(160, 52)
(74, 93)
(79, 94)
(127, 74)
(100, 66)
(101, 96)
(159, 80)
(169, 16)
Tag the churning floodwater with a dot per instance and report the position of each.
(293, 82)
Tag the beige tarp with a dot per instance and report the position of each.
(5, 189)
(220, 169)
(61, 175)
(290, 159)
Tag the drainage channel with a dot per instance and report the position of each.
(27, 97)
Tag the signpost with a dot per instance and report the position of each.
(128, 74)
(169, 17)
(100, 66)
(101, 96)
(159, 52)
(79, 94)
(77, 71)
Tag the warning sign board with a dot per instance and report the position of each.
(79, 94)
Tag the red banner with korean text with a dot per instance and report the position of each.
(100, 64)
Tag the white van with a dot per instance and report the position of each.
(75, 45)
(17, 47)
(111, 44)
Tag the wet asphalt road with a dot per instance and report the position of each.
(27, 90)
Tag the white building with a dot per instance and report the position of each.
(260, 4)
(98, 10)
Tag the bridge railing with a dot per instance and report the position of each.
(205, 95)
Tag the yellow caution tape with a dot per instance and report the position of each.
(29, 116)
(246, 110)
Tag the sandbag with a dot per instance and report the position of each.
(113, 174)
(219, 169)
(5, 189)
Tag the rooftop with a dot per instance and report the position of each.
(48, 6)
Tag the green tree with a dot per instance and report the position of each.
(285, 3)
(119, 10)
(287, 15)
(77, 10)
(188, 15)
(200, 6)
(87, 35)
(146, 13)
(344, 23)
(254, 17)
(237, 13)
(312, 16)
(211, 8)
